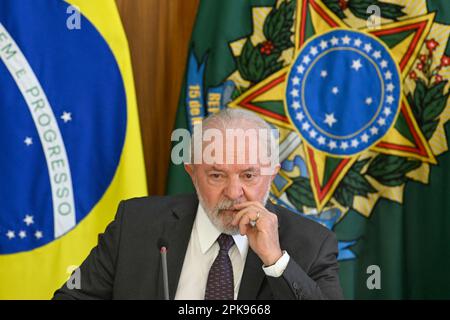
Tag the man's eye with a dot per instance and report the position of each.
(215, 175)
(249, 176)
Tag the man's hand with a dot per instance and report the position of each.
(263, 236)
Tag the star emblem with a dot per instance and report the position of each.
(28, 220)
(330, 119)
(403, 51)
(335, 90)
(346, 40)
(356, 64)
(321, 140)
(28, 141)
(10, 234)
(66, 116)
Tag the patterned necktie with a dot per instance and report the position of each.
(220, 285)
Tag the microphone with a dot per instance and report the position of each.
(162, 246)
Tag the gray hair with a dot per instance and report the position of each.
(227, 118)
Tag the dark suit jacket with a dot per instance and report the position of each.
(126, 263)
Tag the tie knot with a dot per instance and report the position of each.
(225, 242)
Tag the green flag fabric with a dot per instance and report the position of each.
(359, 92)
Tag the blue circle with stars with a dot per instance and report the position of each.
(343, 92)
(83, 84)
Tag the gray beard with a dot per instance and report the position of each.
(214, 214)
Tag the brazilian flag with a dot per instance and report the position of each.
(70, 145)
(359, 90)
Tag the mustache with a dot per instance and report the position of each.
(227, 204)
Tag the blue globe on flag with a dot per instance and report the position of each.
(343, 92)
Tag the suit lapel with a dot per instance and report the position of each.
(178, 232)
(252, 277)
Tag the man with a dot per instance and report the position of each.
(226, 242)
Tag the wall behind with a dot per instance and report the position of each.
(158, 33)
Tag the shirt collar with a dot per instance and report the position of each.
(208, 233)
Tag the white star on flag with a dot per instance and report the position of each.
(374, 130)
(332, 145)
(294, 93)
(295, 81)
(369, 100)
(355, 143)
(356, 64)
(346, 40)
(365, 138)
(358, 42)
(28, 220)
(334, 41)
(306, 126)
(22, 234)
(66, 116)
(38, 234)
(296, 105)
(335, 90)
(383, 64)
(323, 73)
(390, 99)
(28, 141)
(381, 121)
(388, 75)
(10, 234)
(367, 47)
(387, 111)
(323, 44)
(313, 133)
(300, 69)
(330, 119)
(344, 145)
(390, 87)
(321, 140)
(313, 51)
(300, 116)
(377, 54)
(306, 59)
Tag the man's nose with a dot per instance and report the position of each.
(233, 190)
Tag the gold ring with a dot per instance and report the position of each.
(253, 222)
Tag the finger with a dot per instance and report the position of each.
(244, 224)
(253, 210)
(239, 215)
(248, 204)
(243, 228)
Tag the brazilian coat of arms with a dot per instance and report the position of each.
(360, 100)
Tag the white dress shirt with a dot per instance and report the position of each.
(202, 251)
